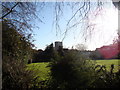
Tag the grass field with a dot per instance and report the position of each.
(108, 63)
(42, 70)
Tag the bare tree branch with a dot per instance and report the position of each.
(76, 13)
(10, 10)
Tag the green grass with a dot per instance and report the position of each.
(42, 71)
(108, 63)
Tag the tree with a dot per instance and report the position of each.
(15, 44)
(117, 42)
(81, 47)
(20, 15)
(116, 3)
(48, 53)
(16, 51)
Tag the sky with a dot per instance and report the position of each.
(105, 29)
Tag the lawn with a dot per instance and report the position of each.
(108, 63)
(42, 70)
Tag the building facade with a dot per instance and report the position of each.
(58, 45)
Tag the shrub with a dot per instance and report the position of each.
(106, 79)
(16, 50)
(16, 76)
(71, 71)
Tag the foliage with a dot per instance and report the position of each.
(95, 55)
(70, 71)
(35, 57)
(41, 73)
(108, 63)
(106, 79)
(41, 70)
(46, 55)
(16, 50)
(14, 44)
(73, 71)
(16, 76)
(102, 69)
(20, 14)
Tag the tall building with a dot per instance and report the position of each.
(58, 44)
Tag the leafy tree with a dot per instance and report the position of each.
(44, 56)
(36, 56)
(14, 44)
(16, 50)
(48, 53)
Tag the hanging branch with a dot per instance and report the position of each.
(10, 10)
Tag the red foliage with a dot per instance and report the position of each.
(109, 51)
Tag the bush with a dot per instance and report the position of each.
(16, 76)
(106, 79)
(16, 50)
(15, 44)
(71, 71)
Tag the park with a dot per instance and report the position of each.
(59, 44)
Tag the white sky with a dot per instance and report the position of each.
(105, 29)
